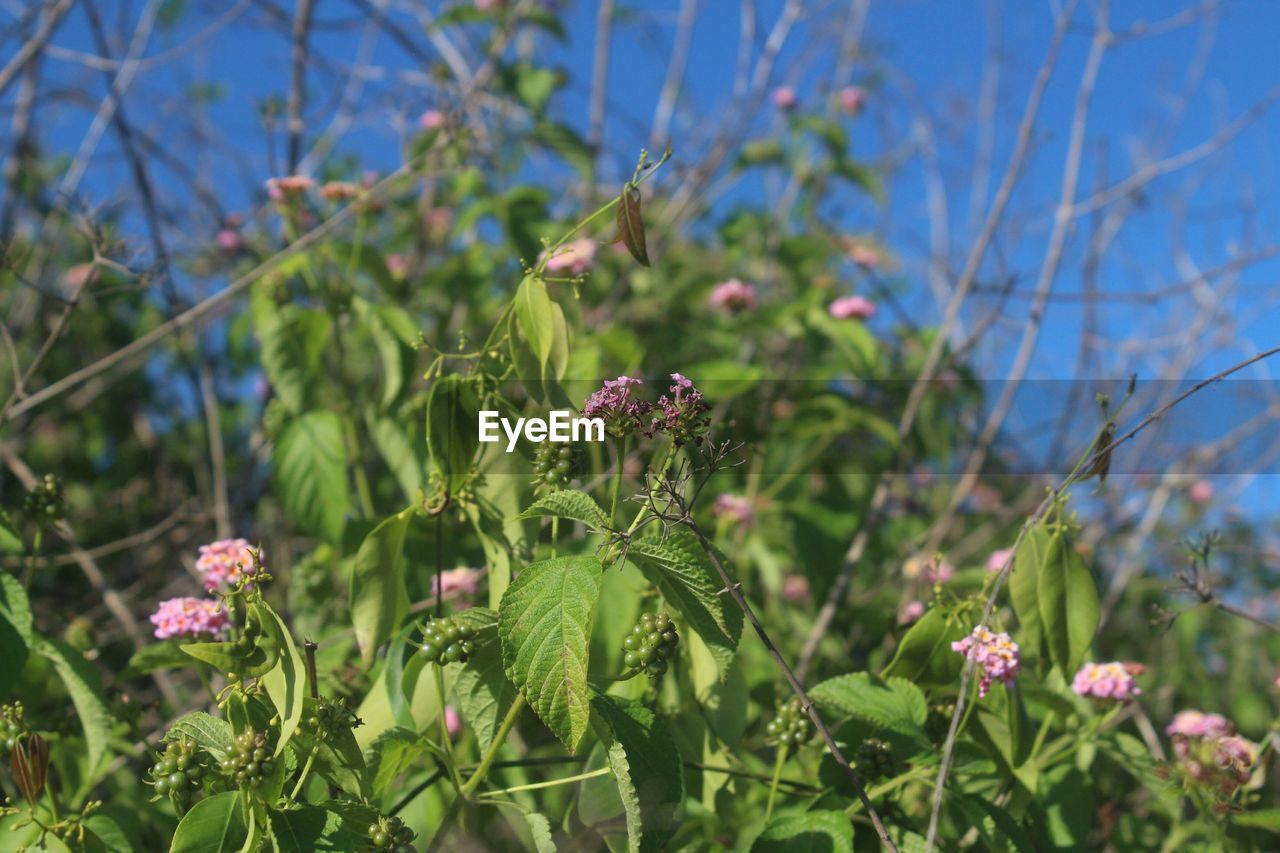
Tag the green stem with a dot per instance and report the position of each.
(446, 741)
(555, 534)
(36, 544)
(534, 786)
(778, 762)
(617, 479)
(1041, 735)
(306, 770)
(508, 722)
(920, 774)
(357, 246)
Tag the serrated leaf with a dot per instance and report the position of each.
(1068, 602)
(394, 752)
(286, 683)
(83, 684)
(481, 688)
(308, 828)
(679, 569)
(810, 832)
(631, 224)
(310, 474)
(209, 733)
(540, 830)
(533, 307)
(893, 703)
(646, 767)
(378, 599)
(214, 824)
(452, 436)
(544, 623)
(571, 504)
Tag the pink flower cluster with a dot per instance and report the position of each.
(852, 99)
(224, 562)
(573, 258)
(1210, 751)
(431, 120)
(459, 581)
(852, 308)
(735, 508)
(288, 187)
(910, 612)
(190, 618)
(997, 654)
(998, 558)
(682, 413)
(795, 588)
(1113, 680)
(733, 297)
(784, 98)
(621, 412)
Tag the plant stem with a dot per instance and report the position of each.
(534, 786)
(555, 534)
(778, 762)
(35, 554)
(499, 738)
(306, 770)
(617, 479)
(446, 741)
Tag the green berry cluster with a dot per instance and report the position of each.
(447, 640)
(791, 726)
(179, 770)
(332, 718)
(12, 724)
(651, 643)
(45, 503)
(553, 465)
(249, 762)
(390, 833)
(875, 758)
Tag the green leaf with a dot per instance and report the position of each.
(394, 752)
(15, 630)
(209, 733)
(544, 623)
(256, 661)
(286, 684)
(308, 828)
(631, 224)
(10, 537)
(565, 141)
(533, 307)
(481, 688)
(1268, 819)
(1068, 602)
(810, 832)
(292, 339)
(399, 453)
(893, 703)
(378, 599)
(213, 825)
(391, 349)
(646, 767)
(540, 830)
(680, 570)
(86, 694)
(154, 657)
(310, 462)
(1024, 580)
(571, 504)
(924, 653)
(453, 411)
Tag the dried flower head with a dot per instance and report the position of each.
(682, 413)
(614, 403)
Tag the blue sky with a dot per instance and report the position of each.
(919, 56)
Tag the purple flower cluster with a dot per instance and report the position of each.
(681, 412)
(614, 404)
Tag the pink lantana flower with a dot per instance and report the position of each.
(229, 240)
(939, 570)
(1201, 492)
(865, 255)
(455, 582)
(224, 562)
(289, 187)
(735, 508)
(431, 120)
(998, 558)
(910, 612)
(733, 296)
(573, 258)
(852, 308)
(452, 722)
(1191, 723)
(997, 654)
(784, 98)
(795, 588)
(852, 99)
(190, 618)
(1113, 680)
